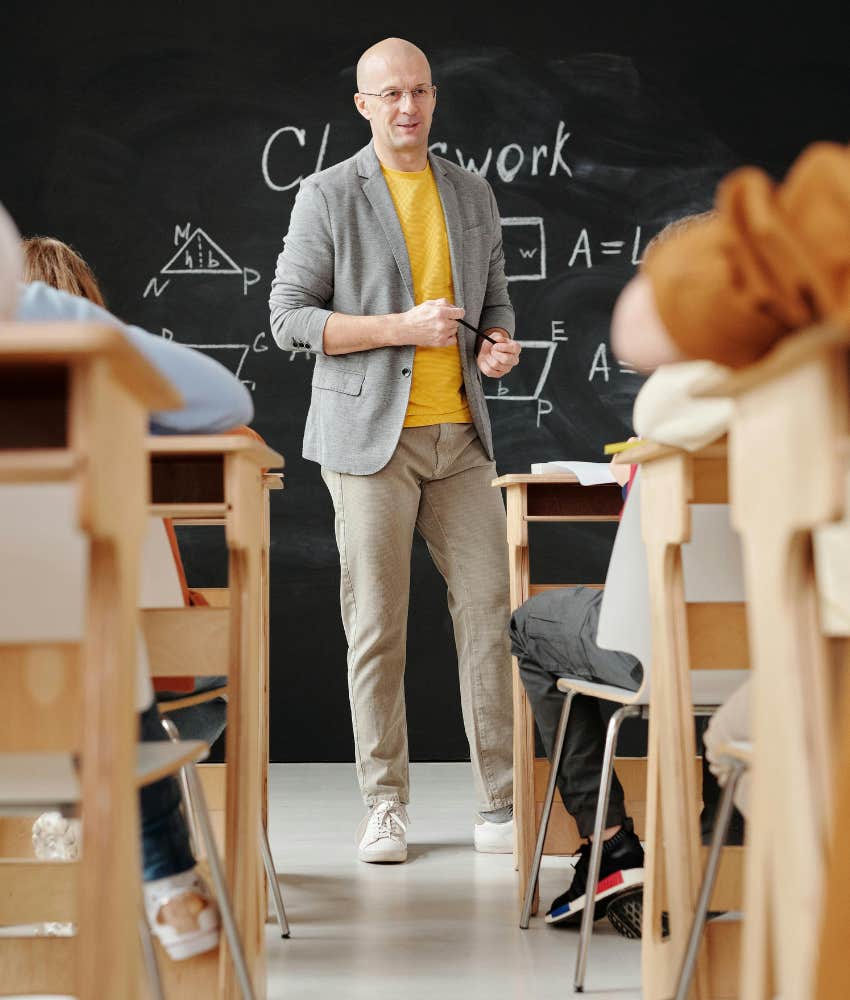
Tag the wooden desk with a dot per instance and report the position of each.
(208, 480)
(788, 466)
(74, 404)
(535, 499)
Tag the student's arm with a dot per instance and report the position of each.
(773, 259)
(213, 399)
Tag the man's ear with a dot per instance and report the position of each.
(360, 104)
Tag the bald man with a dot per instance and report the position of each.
(385, 253)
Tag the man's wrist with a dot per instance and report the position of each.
(391, 330)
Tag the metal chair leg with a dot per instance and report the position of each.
(721, 829)
(557, 753)
(149, 956)
(222, 893)
(188, 804)
(274, 885)
(596, 848)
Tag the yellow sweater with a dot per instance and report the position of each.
(437, 395)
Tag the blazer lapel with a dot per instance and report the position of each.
(454, 229)
(376, 190)
(454, 226)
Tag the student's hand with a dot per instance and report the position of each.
(431, 324)
(496, 360)
(621, 472)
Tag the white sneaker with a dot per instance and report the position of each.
(494, 838)
(182, 914)
(381, 833)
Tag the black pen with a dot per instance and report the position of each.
(469, 326)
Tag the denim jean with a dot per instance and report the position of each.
(199, 722)
(165, 837)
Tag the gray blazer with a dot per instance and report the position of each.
(345, 252)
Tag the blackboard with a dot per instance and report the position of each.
(166, 145)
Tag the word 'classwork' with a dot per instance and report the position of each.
(508, 161)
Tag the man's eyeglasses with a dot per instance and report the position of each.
(419, 94)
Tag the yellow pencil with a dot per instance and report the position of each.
(617, 446)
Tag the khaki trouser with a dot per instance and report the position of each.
(438, 481)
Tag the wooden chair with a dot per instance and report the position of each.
(787, 465)
(209, 480)
(74, 402)
(685, 636)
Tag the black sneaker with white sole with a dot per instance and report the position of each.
(620, 869)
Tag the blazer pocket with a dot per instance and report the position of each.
(476, 232)
(348, 382)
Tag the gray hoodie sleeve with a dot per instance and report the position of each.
(213, 398)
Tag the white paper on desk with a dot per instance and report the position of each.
(587, 473)
(712, 567)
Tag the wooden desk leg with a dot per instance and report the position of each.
(525, 825)
(667, 489)
(244, 869)
(112, 513)
(264, 690)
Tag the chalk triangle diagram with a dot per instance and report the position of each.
(201, 255)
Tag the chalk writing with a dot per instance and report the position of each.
(608, 248)
(198, 253)
(155, 287)
(300, 135)
(558, 330)
(232, 356)
(543, 407)
(524, 243)
(510, 160)
(505, 394)
(601, 366)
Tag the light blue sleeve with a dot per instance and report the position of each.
(213, 398)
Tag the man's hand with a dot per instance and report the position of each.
(496, 360)
(431, 324)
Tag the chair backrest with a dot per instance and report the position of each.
(714, 591)
(43, 580)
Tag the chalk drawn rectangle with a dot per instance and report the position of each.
(541, 361)
(524, 243)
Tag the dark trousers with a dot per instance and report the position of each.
(554, 635)
(165, 837)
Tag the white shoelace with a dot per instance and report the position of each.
(386, 817)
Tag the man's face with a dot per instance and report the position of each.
(401, 122)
